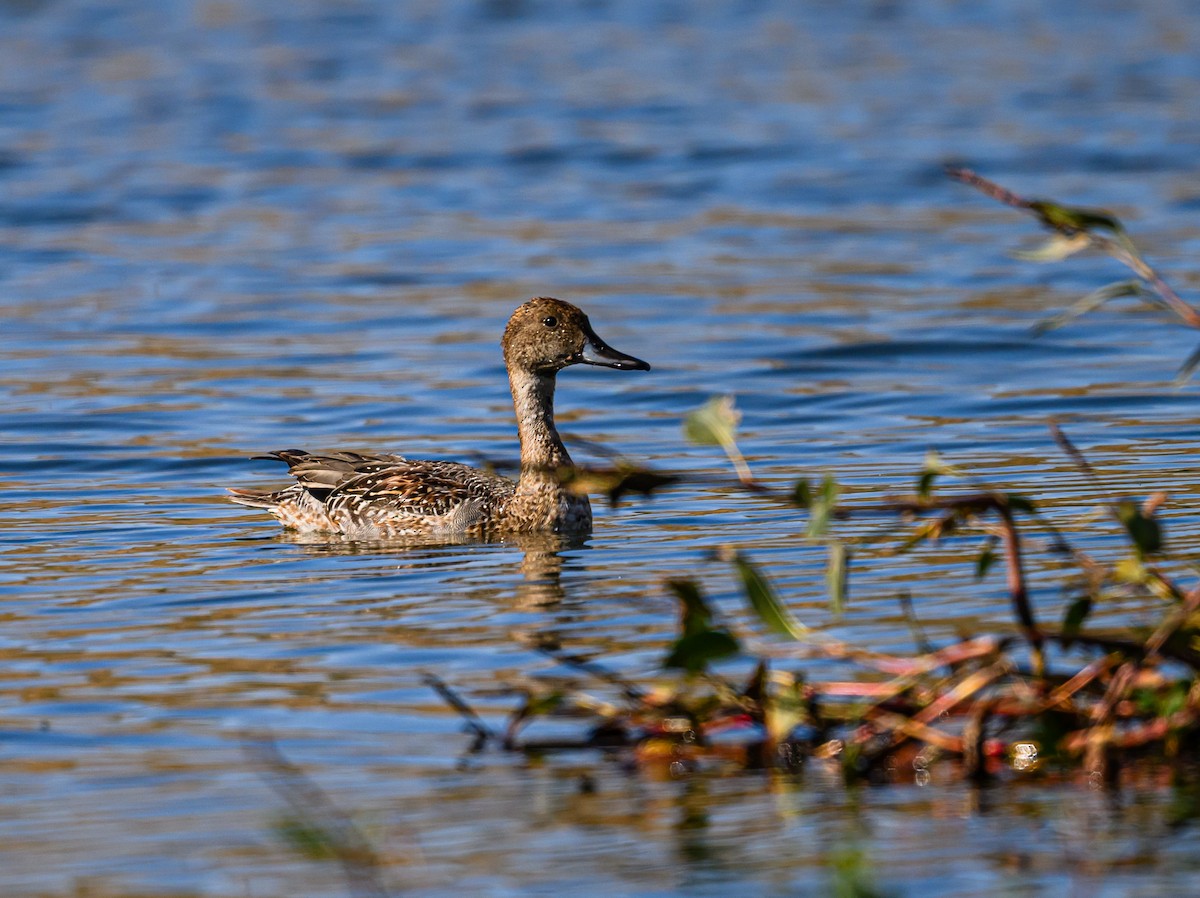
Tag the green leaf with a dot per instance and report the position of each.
(1056, 248)
(1093, 300)
(616, 482)
(1162, 702)
(714, 423)
(310, 841)
(539, 705)
(695, 651)
(1144, 530)
(1077, 613)
(933, 468)
(987, 558)
(837, 575)
(766, 604)
(695, 615)
(928, 530)
(802, 493)
(822, 506)
(699, 643)
(1130, 570)
(852, 873)
(1069, 219)
(1020, 503)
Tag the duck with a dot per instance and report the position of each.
(366, 496)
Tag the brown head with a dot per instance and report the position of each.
(546, 335)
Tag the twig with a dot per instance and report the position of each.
(1072, 452)
(1017, 590)
(947, 656)
(1171, 624)
(989, 188)
(631, 691)
(475, 723)
(1097, 753)
(914, 625)
(974, 741)
(1188, 314)
(963, 690)
(901, 728)
(1081, 224)
(1060, 694)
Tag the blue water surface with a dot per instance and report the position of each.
(228, 228)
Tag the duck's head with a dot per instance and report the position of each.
(546, 335)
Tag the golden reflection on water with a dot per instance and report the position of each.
(232, 228)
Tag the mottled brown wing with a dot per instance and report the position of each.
(414, 489)
(322, 472)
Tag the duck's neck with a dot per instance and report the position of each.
(542, 451)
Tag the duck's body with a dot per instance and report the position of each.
(363, 496)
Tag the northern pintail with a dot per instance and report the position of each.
(388, 496)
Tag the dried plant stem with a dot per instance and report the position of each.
(1060, 695)
(989, 188)
(1018, 591)
(1171, 624)
(903, 728)
(1188, 314)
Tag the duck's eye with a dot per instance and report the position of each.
(550, 321)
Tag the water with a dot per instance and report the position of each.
(230, 228)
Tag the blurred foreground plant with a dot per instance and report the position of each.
(315, 827)
(1075, 229)
(1107, 697)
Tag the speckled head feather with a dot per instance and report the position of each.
(385, 496)
(546, 335)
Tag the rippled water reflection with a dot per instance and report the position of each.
(229, 228)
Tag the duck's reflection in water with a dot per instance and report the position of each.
(541, 565)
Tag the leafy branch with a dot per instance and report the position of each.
(1074, 229)
(972, 699)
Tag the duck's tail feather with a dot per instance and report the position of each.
(317, 474)
(254, 498)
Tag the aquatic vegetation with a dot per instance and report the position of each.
(1075, 229)
(315, 827)
(1043, 695)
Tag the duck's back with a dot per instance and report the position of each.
(383, 496)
